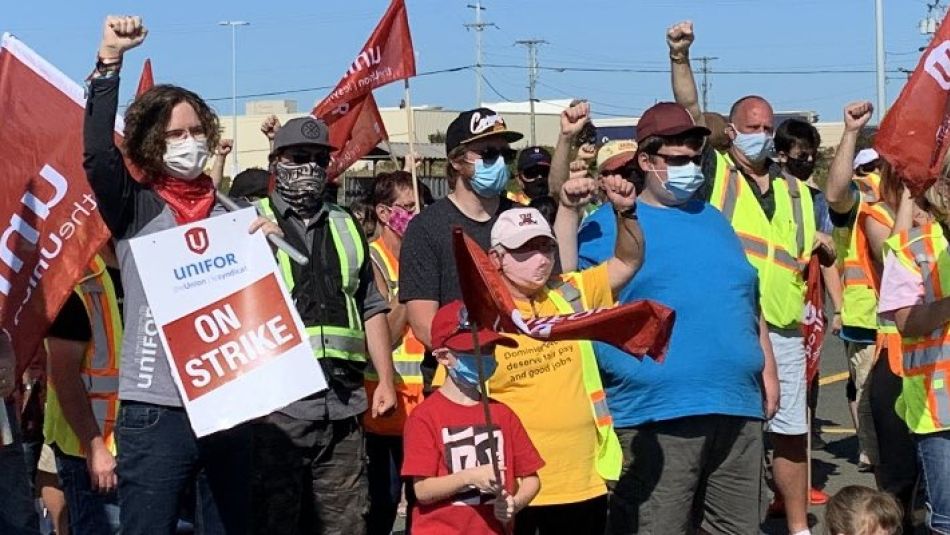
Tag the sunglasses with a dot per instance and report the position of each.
(536, 172)
(300, 157)
(490, 154)
(680, 159)
(626, 172)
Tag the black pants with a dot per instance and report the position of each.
(385, 485)
(897, 468)
(309, 477)
(581, 518)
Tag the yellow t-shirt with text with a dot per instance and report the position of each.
(543, 383)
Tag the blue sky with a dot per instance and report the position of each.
(294, 44)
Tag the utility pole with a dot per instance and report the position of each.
(234, 133)
(532, 46)
(879, 53)
(705, 70)
(478, 26)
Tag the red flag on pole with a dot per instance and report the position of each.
(915, 134)
(639, 328)
(50, 217)
(813, 327)
(145, 80)
(356, 128)
(386, 57)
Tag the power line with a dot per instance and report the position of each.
(495, 91)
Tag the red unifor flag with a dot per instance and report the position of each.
(355, 129)
(386, 57)
(915, 134)
(639, 328)
(146, 81)
(50, 218)
(813, 326)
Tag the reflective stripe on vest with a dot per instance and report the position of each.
(332, 341)
(408, 356)
(100, 367)
(779, 248)
(567, 299)
(860, 278)
(925, 397)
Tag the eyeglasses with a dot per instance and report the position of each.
(490, 154)
(179, 134)
(677, 160)
(302, 156)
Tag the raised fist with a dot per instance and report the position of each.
(621, 193)
(574, 118)
(270, 126)
(679, 37)
(857, 114)
(578, 192)
(224, 147)
(120, 33)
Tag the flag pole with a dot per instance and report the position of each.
(392, 157)
(486, 408)
(412, 145)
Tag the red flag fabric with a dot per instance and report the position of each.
(145, 80)
(50, 218)
(386, 57)
(356, 128)
(639, 328)
(813, 326)
(915, 134)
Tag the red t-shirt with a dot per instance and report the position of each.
(442, 438)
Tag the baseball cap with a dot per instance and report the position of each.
(302, 131)
(532, 157)
(477, 124)
(250, 184)
(451, 329)
(615, 154)
(514, 227)
(667, 119)
(864, 157)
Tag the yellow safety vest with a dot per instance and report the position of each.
(518, 197)
(860, 279)
(407, 358)
(869, 188)
(924, 403)
(778, 249)
(567, 299)
(100, 366)
(331, 341)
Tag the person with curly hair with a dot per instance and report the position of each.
(168, 132)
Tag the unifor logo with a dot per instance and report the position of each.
(937, 65)
(197, 240)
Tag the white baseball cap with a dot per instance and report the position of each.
(516, 226)
(865, 156)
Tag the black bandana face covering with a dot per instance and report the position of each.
(301, 186)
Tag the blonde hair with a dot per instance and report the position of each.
(857, 510)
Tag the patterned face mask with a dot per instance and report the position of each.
(301, 186)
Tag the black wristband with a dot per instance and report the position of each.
(629, 213)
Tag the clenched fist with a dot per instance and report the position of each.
(621, 193)
(857, 114)
(574, 118)
(120, 33)
(679, 37)
(578, 192)
(270, 126)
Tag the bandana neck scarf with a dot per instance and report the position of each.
(189, 200)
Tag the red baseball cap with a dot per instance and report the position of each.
(667, 119)
(451, 329)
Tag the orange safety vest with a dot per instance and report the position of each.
(407, 357)
(860, 278)
(100, 367)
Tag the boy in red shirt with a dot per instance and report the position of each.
(447, 452)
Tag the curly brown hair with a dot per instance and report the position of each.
(147, 118)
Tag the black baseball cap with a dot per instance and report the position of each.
(477, 124)
(302, 131)
(534, 157)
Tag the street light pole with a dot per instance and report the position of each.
(879, 53)
(234, 134)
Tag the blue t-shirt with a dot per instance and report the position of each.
(695, 265)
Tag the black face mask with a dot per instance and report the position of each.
(536, 188)
(800, 168)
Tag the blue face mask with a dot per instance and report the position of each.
(683, 180)
(465, 371)
(490, 181)
(756, 147)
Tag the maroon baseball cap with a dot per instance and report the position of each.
(451, 329)
(667, 119)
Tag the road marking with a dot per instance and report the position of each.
(838, 430)
(833, 378)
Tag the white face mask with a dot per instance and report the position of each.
(186, 158)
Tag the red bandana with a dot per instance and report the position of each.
(190, 200)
